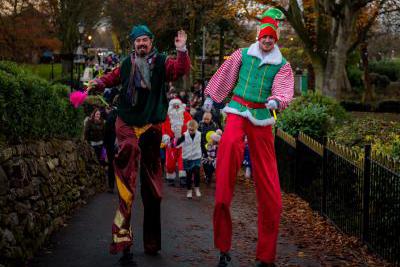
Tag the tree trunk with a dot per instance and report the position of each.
(66, 64)
(318, 69)
(67, 68)
(335, 75)
(369, 94)
(311, 77)
(221, 46)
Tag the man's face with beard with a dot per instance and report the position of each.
(267, 43)
(143, 45)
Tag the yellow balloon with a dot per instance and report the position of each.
(208, 136)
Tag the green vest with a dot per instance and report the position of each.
(254, 85)
(152, 105)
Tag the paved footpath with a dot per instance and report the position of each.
(186, 234)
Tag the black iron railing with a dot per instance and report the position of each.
(358, 192)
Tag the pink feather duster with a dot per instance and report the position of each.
(77, 98)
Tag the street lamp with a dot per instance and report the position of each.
(81, 28)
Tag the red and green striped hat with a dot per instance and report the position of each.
(269, 23)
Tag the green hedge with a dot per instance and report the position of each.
(313, 114)
(355, 77)
(391, 69)
(44, 70)
(32, 108)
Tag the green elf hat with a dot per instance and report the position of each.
(269, 23)
(140, 30)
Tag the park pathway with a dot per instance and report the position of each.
(186, 235)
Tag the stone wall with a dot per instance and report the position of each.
(41, 183)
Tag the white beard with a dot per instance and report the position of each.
(176, 119)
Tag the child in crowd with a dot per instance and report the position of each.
(209, 158)
(190, 142)
(94, 133)
(206, 125)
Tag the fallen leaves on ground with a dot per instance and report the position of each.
(306, 238)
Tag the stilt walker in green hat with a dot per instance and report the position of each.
(261, 80)
(141, 109)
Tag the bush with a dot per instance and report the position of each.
(396, 148)
(355, 76)
(389, 106)
(389, 68)
(333, 107)
(387, 148)
(356, 106)
(32, 108)
(380, 81)
(312, 120)
(313, 114)
(380, 130)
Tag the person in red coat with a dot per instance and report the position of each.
(172, 129)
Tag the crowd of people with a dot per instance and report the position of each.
(185, 107)
(189, 143)
(190, 140)
(98, 65)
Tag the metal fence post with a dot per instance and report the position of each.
(296, 166)
(366, 192)
(324, 175)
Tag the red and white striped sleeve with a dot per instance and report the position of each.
(224, 80)
(283, 86)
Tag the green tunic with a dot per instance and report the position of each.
(254, 85)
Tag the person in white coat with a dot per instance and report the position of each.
(190, 142)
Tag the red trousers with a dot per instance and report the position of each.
(133, 151)
(265, 174)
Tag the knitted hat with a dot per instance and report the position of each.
(140, 30)
(269, 23)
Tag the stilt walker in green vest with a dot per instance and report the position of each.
(141, 109)
(261, 80)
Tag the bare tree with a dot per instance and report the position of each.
(330, 30)
(66, 14)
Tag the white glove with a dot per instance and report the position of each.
(166, 139)
(272, 104)
(208, 103)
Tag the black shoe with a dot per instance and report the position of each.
(127, 259)
(263, 264)
(224, 258)
(151, 252)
